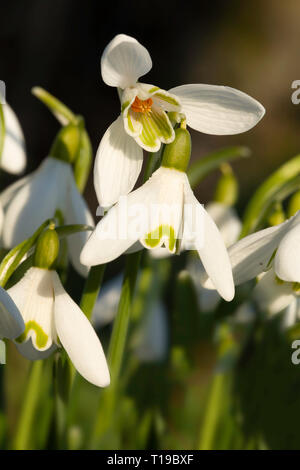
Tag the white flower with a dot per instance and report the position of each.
(274, 296)
(11, 321)
(13, 158)
(162, 211)
(229, 225)
(31, 200)
(50, 316)
(150, 340)
(144, 122)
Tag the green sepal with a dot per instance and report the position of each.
(204, 166)
(47, 249)
(177, 154)
(276, 188)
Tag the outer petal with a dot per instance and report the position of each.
(11, 321)
(107, 303)
(121, 227)
(33, 295)
(226, 220)
(78, 337)
(209, 244)
(123, 61)
(272, 296)
(218, 110)
(77, 213)
(251, 255)
(287, 256)
(9, 193)
(36, 200)
(117, 166)
(208, 299)
(13, 158)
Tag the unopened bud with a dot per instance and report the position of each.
(66, 144)
(227, 187)
(177, 154)
(47, 249)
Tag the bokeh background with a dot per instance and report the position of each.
(252, 46)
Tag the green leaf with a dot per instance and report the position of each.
(201, 168)
(282, 183)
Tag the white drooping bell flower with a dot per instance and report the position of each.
(13, 158)
(229, 225)
(144, 122)
(150, 340)
(53, 319)
(272, 295)
(30, 201)
(164, 211)
(11, 321)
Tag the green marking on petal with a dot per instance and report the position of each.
(148, 135)
(153, 239)
(41, 337)
(168, 99)
(153, 89)
(124, 106)
(162, 125)
(130, 125)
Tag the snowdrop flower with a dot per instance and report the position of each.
(52, 318)
(144, 122)
(230, 226)
(274, 296)
(11, 321)
(162, 212)
(150, 341)
(31, 200)
(13, 158)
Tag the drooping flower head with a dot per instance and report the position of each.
(163, 212)
(53, 319)
(144, 122)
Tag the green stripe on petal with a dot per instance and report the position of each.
(154, 238)
(41, 336)
(125, 106)
(168, 99)
(163, 126)
(148, 137)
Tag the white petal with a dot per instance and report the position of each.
(107, 303)
(165, 210)
(209, 244)
(36, 201)
(28, 350)
(123, 61)
(77, 213)
(120, 228)
(11, 321)
(218, 110)
(287, 257)
(151, 340)
(33, 295)
(13, 158)
(79, 338)
(226, 220)
(291, 314)
(272, 296)
(9, 193)
(251, 255)
(118, 164)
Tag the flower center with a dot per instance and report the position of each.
(141, 106)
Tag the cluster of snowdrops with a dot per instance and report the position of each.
(45, 221)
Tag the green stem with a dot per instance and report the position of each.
(91, 289)
(22, 439)
(60, 111)
(210, 422)
(117, 345)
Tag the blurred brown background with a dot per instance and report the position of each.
(252, 46)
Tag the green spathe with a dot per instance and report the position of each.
(47, 249)
(66, 144)
(177, 154)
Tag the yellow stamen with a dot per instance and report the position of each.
(140, 106)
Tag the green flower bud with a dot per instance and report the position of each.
(47, 249)
(177, 154)
(294, 204)
(227, 187)
(66, 144)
